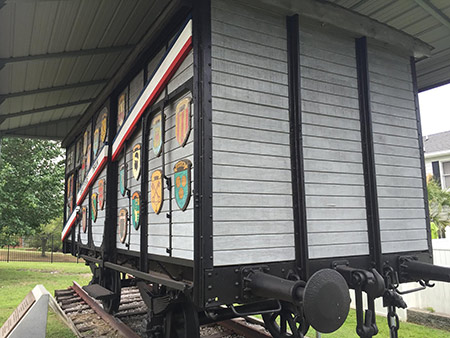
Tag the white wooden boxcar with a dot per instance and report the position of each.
(260, 153)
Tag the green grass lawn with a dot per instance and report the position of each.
(19, 278)
(407, 330)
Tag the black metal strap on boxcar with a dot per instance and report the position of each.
(168, 179)
(203, 244)
(296, 145)
(370, 182)
(421, 152)
(153, 277)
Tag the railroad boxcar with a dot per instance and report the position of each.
(257, 158)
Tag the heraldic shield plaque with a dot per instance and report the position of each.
(122, 226)
(101, 194)
(96, 142)
(157, 191)
(183, 121)
(182, 178)
(121, 111)
(156, 134)
(94, 207)
(123, 179)
(84, 219)
(135, 209)
(137, 161)
(103, 127)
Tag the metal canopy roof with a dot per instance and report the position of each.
(427, 20)
(57, 56)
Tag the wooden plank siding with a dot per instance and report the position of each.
(252, 201)
(82, 237)
(133, 185)
(158, 225)
(399, 177)
(98, 226)
(182, 221)
(334, 180)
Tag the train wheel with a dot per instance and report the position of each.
(111, 281)
(286, 323)
(182, 321)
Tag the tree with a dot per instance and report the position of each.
(439, 206)
(44, 235)
(31, 185)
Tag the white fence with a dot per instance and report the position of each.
(438, 297)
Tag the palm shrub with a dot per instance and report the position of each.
(439, 206)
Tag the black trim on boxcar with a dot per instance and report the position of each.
(370, 181)
(203, 242)
(109, 232)
(143, 212)
(296, 146)
(421, 154)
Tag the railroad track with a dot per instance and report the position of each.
(87, 318)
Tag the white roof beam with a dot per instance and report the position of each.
(434, 12)
(3, 97)
(45, 109)
(59, 55)
(13, 131)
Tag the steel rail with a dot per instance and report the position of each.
(240, 327)
(119, 326)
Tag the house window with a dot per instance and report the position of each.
(446, 174)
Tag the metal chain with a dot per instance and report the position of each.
(392, 317)
(393, 321)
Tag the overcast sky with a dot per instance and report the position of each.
(435, 110)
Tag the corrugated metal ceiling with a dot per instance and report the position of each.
(427, 20)
(57, 56)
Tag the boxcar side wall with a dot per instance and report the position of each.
(252, 203)
(252, 192)
(334, 177)
(128, 240)
(401, 201)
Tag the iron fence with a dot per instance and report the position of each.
(35, 249)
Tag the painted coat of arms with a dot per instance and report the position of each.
(156, 134)
(123, 179)
(137, 161)
(88, 158)
(135, 209)
(101, 194)
(182, 178)
(183, 121)
(96, 141)
(84, 219)
(94, 207)
(157, 191)
(103, 128)
(79, 152)
(85, 141)
(121, 111)
(123, 217)
(70, 187)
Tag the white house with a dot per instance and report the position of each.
(437, 157)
